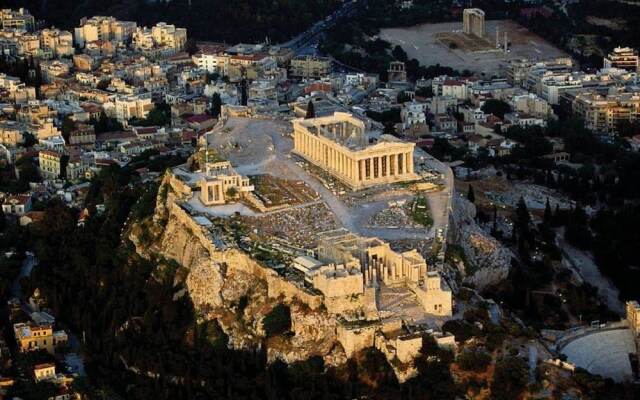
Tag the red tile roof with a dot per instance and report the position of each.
(21, 199)
(50, 153)
(199, 118)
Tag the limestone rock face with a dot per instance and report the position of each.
(314, 335)
(231, 287)
(204, 284)
(490, 260)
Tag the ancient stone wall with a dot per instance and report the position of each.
(354, 338)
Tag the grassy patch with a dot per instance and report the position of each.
(419, 212)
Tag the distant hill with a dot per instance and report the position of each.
(217, 20)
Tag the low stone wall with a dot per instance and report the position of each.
(277, 287)
(254, 202)
(348, 305)
(354, 338)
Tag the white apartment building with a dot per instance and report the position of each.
(59, 42)
(19, 19)
(212, 62)
(623, 58)
(604, 114)
(228, 92)
(103, 28)
(412, 114)
(123, 108)
(161, 39)
(532, 104)
(54, 69)
(445, 86)
(10, 83)
(552, 86)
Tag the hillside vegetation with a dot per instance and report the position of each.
(216, 20)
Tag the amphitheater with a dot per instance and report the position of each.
(603, 352)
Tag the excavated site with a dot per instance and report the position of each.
(240, 262)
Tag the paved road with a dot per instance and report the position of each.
(583, 263)
(305, 42)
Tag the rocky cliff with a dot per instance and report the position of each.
(485, 261)
(231, 287)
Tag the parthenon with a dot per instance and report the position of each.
(339, 144)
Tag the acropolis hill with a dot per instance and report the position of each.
(250, 220)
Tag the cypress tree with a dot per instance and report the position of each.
(311, 111)
(216, 105)
(547, 214)
(471, 196)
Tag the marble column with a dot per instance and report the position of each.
(385, 165)
(392, 164)
(334, 161)
(377, 171)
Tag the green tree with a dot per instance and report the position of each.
(474, 360)
(577, 231)
(496, 107)
(548, 215)
(3, 220)
(191, 47)
(471, 196)
(389, 129)
(509, 379)
(159, 116)
(68, 125)
(403, 97)
(311, 110)
(523, 219)
(232, 192)
(522, 228)
(29, 140)
(216, 105)
(106, 124)
(103, 84)
(399, 54)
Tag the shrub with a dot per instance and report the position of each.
(510, 378)
(474, 360)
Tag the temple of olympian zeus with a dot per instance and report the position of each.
(339, 144)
